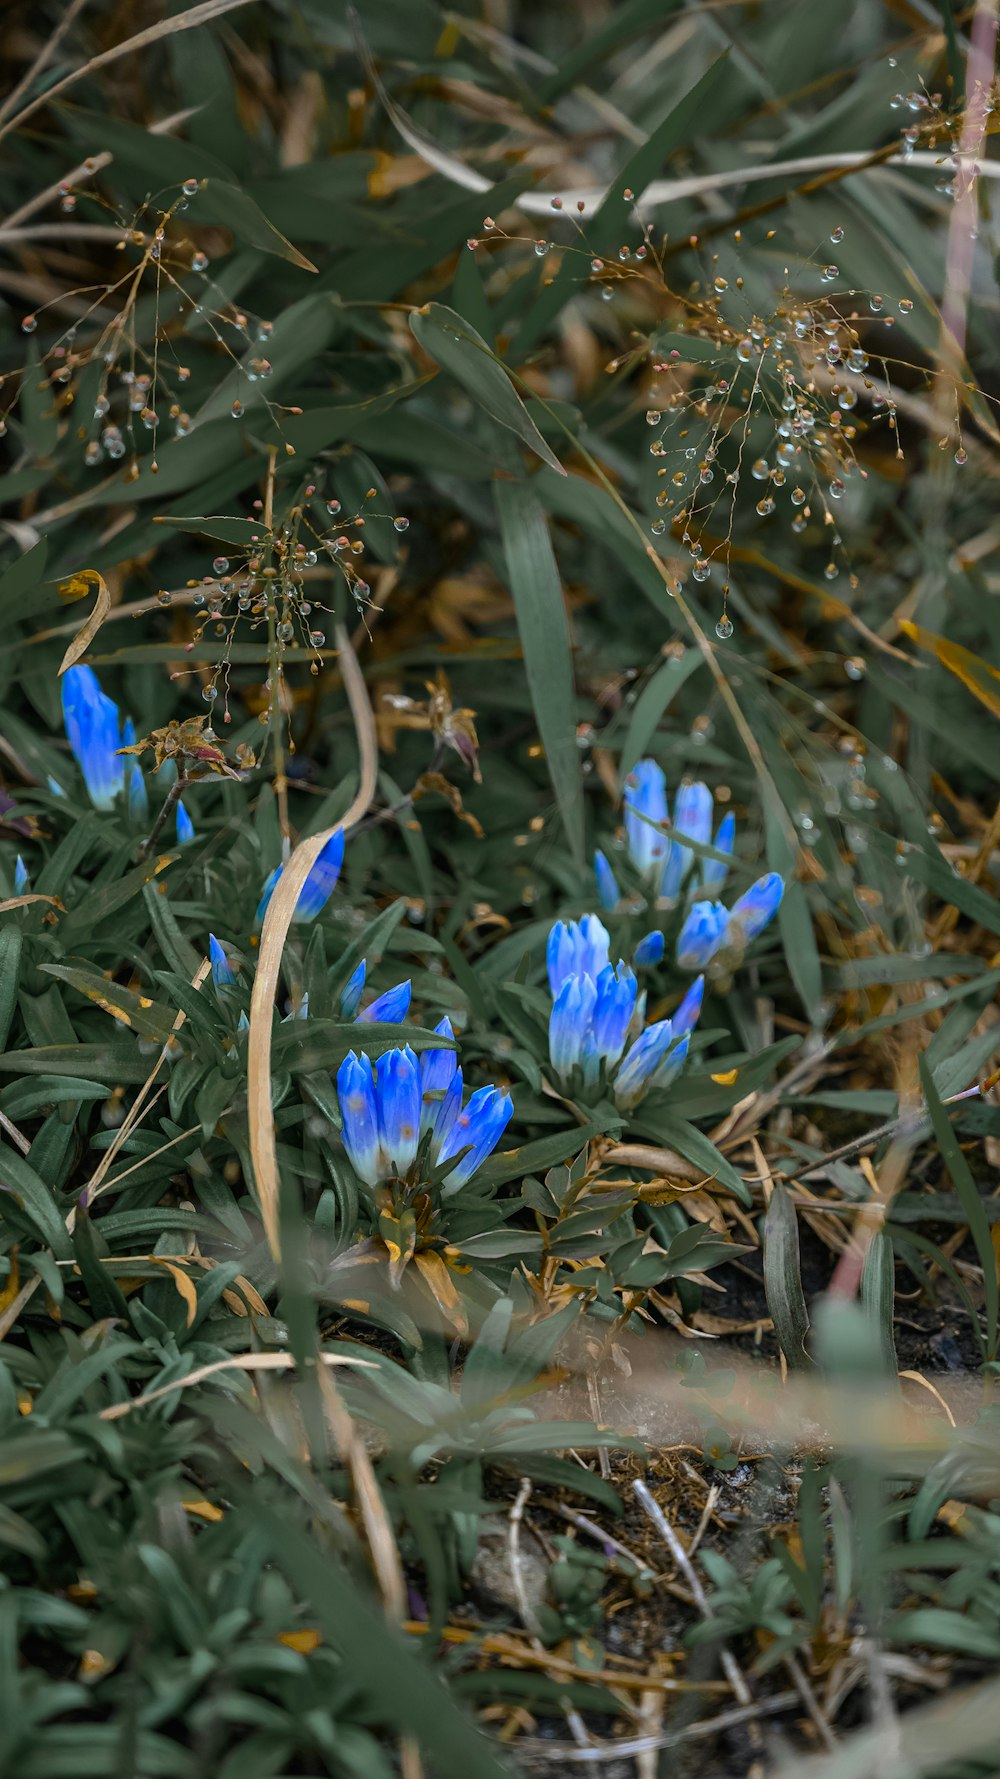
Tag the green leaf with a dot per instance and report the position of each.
(458, 349)
(39, 1205)
(783, 1278)
(541, 618)
(513, 1164)
(652, 703)
(968, 1192)
(21, 579)
(10, 962)
(878, 1289)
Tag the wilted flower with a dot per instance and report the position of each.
(402, 1106)
(710, 928)
(318, 886)
(97, 737)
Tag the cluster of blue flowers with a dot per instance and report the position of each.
(667, 867)
(402, 1105)
(597, 1005)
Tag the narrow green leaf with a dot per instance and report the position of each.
(968, 1192)
(783, 1278)
(541, 617)
(458, 349)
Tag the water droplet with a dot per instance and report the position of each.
(317, 638)
(653, 417)
(766, 506)
(876, 304)
(829, 274)
(831, 571)
(210, 693)
(236, 409)
(658, 527)
(855, 667)
(702, 569)
(189, 188)
(401, 524)
(721, 284)
(220, 565)
(837, 489)
(837, 235)
(744, 351)
(961, 455)
(724, 629)
(760, 469)
(29, 324)
(906, 305)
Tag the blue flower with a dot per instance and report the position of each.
(389, 1008)
(386, 1111)
(94, 731)
(642, 1062)
(20, 876)
(649, 950)
(481, 1124)
(397, 1076)
(222, 970)
(350, 998)
(569, 1021)
(440, 1086)
(646, 797)
(608, 893)
(701, 935)
(576, 948)
(358, 1098)
(613, 1008)
(693, 819)
(185, 826)
(753, 911)
(318, 886)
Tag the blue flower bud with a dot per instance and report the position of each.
(350, 999)
(753, 911)
(701, 935)
(20, 876)
(389, 1008)
(686, 1017)
(646, 796)
(608, 893)
(222, 970)
(613, 1008)
(397, 1076)
(649, 951)
(671, 1066)
(318, 886)
(359, 1116)
(185, 826)
(482, 1123)
(93, 730)
(576, 948)
(714, 871)
(641, 1063)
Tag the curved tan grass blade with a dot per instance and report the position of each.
(277, 921)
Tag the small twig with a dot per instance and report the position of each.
(514, 1522)
(712, 1726)
(171, 799)
(730, 1666)
(16, 1136)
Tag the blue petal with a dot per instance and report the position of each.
(560, 955)
(222, 971)
(397, 1075)
(686, 1017)
(243, 1023)
(482, 1124)
(646, 795)
(446, 1111)
(185, 826)
(649, 950)
(55, 787)
(319, 885)
(437, 1071)
(608, 893)
(714, 871)
(350, 999)
(751, 914)
(701, 935)
(642, 1061)
(93, 732)
(613, 1008)
(389, 1008)
(359, 1115)
(20, 876)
